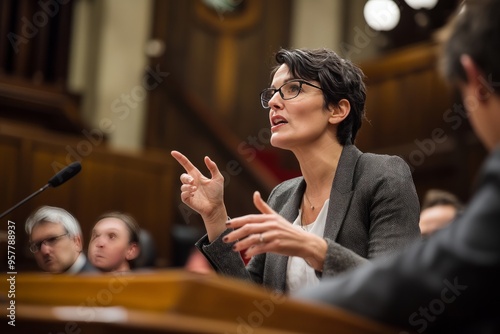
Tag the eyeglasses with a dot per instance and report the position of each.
(288, 91)
(35, 247)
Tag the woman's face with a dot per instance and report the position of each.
(300, 121)
(110, 247)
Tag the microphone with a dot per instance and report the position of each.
(62, 176)
(65, 174)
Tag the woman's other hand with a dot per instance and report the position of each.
(270, 232)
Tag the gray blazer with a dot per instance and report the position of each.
(373, 210)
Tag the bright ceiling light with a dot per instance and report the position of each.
(381, 14)
(418, 4)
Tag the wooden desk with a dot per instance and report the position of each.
(169, 301)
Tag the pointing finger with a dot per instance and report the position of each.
(184, 162)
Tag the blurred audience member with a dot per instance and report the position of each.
(185, 254)
(147, 251)
(198, 263)
(439, 208)
(114, 242)
(56, 241)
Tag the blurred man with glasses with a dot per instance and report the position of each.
(56, 241)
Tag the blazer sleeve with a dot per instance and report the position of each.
(383, 188)
(228, 262)
(394, 209)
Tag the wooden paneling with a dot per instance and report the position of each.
(412, 113)
(35, 40)
(5, 24)
(138, 183)
(10, 153)
(218, 62)
(34, 53)
(43, 105)
(196, 39)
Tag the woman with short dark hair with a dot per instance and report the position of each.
(346, 208)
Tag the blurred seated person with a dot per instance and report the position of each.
(439, 208)
(114, 242)
(147, 251)
(56, 241)
(198, 263)
(186, 255)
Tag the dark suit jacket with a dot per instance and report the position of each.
(446, 284)
(373, 210)
(88, 268)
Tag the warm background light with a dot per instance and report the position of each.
(381, 15)
(418, 4)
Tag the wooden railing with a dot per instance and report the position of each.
(168, 302)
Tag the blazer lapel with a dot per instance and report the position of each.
(342, 190)
(289, 211)
(291, 208)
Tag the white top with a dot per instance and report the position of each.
(298, 273)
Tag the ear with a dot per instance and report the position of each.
(132, 252)
(476, 86)
(339, 112)
(78, 242)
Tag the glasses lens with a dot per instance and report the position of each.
(34, 247)
(266, 96)
(291, 90)
(51, 241)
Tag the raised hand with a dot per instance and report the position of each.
(202, 194)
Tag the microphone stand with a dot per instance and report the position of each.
(62, 176)
(24, 200)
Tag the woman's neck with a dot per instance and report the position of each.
(318, 166)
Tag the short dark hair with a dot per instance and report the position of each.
(475, 31)
(339, 78)
(129, 221)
